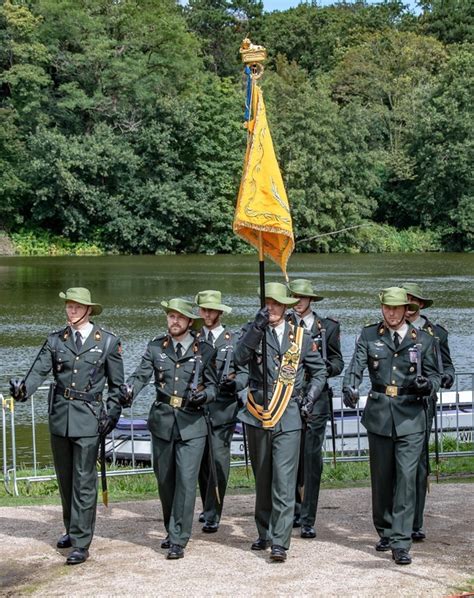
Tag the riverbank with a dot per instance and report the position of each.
(371, 237)
(126, 558)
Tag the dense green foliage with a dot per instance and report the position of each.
(121, 123)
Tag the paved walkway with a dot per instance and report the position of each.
(126, 558)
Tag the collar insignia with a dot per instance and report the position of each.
(97, 335)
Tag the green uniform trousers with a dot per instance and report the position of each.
(221, 444)
(176, 464)
(422, 473)
(393, 467)
(313, 468)
(75, 464)
(274, 458)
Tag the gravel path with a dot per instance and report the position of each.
(126, 558)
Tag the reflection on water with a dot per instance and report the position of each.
(131, 288)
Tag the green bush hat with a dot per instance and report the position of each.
(414, 289)
(278, 292)
(303, 288)
(184, 308)
(83, 296)
(396, 296)
(211, 300)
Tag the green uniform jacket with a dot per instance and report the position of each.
(333, 349)
(86, 370)
(173, 377)
(392, 366)
(441, 336)
(224, 410)
(249, 352)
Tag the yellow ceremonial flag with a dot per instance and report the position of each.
(262, 210)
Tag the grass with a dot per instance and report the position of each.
(143, 486)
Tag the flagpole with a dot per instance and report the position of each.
(261, 261)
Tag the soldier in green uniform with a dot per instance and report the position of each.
(222, 413)
(185, 381)
(402, 367)
(274, 432)
(82, 358)
(326, 335)
(446, 369)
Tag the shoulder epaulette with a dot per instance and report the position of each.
(373, 325)
(442, 327)
(159, 337)
(107, 331)
(332, 319)
(59, 331)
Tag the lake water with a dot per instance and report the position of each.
(131, 288)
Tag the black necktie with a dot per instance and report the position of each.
(275, 336)
(396, 340)
(302, 324)
(78, 340)
(210, 337)
(179, 350)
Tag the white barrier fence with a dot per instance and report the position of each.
(130, 442)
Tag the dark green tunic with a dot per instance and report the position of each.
(440, 335)
(178, 433)
(223, 413)
(74, 423)
(315, 429)
(396, 424)
(274, 453)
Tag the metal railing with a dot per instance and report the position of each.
(455, 420)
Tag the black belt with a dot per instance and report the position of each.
(173, 400)
(392, 390)
(77, 395)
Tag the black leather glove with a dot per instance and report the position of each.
(229, 386)
(18, 390)
(306, 409)
(197, 399)
(308, 402)
(350, 396)
(447, 381)
(261, 319)
(126, 395)
(423, 386)
(106, 425)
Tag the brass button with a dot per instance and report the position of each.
(393, 382)
(394, 367)
(175, 392)
(177, 365)
(77, 358)
(73, 384)
(395, 354)
(176, 378)
(75, 371)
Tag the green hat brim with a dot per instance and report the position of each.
(217, 306)
(302, 293)
(410, 291)
(96, 307)
(312, 296)
(283, 300)
(197, 321)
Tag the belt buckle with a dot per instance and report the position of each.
(391, 391)
(176, 402)
(67, 393)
